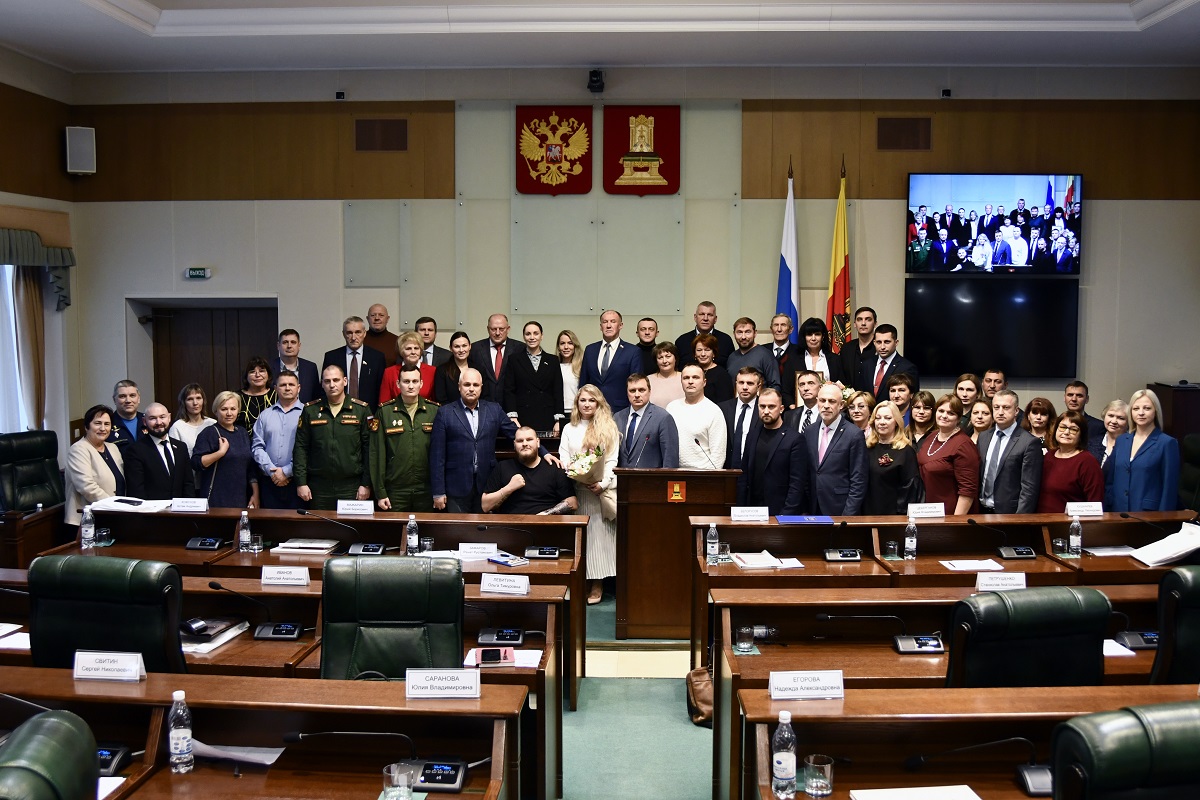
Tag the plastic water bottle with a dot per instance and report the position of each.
(1075, 538)
(910, 539)
(783, 758)
(179, 734)
(87, 529)
(712, 543)
(412, 536)
(244, 533)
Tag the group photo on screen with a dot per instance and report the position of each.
(997, 224)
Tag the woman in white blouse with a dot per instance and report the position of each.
(592, 427)
(192, 415)
(570, 361)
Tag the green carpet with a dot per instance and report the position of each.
(631, 737)
(602, 626)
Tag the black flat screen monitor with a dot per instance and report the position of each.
(1027, 327)
(994, 225)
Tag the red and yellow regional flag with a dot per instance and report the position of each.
(554, 149)
(641, 150)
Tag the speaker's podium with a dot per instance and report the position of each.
(655, 546)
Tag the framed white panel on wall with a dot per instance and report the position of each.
(377, 236)
(640, 253)
(553, 243)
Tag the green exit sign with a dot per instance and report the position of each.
(197, 273)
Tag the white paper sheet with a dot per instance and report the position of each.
(971, 565)
(264, 756)
(8, 627)
(15, 641)
(1112, 648)
(960, 792)
(526, 659)
(107, 786)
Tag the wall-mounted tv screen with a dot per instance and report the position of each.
(1027, 327)
(994, 224)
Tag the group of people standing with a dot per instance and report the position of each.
(812, 431)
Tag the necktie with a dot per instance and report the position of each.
(989, 477)
(499, 359)
(429, 357)
(807, 420)
(879, 374)
(822, 444)
(354, 373)
(778, 352)
(629, 431)
(737, 437)
(166, 446)
(607, 359)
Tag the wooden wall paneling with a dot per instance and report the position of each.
(166, 385)
(828, 135)
(214, 151)
(257, 328)
(53, 227)
(436, 128)
(758, 148)
(32, 145)
(134, 152)
(296, 152)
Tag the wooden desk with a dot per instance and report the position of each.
(805, 542)
(1112, 530)
(259, 711)
(862, 649)
(654, 545)
(541, 723)
(24, 534)
(241, 656)
(878, 729)
(162, 536)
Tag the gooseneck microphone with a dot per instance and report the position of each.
(645, 444)
(704, 450)
(1036, 780)
(286, 631)
(304, 512)
(1126, 515)
(292, 737)
(831, 617)
(1004, 551)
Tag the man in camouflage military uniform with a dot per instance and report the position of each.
(400, 435)
(330, 458)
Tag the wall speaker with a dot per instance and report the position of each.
(81, 151)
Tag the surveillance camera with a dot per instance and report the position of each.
(339, 95)
(945, 94)
(595, 82)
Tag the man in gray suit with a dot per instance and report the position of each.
(837, 458)
(649, 437)
(1011, 461)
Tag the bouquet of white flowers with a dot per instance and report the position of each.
(587, 467)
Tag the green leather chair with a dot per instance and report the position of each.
(50, 757)
(94, 602)
(1178, 657)
(1137, 753)
(1043, 636)
(385, 614)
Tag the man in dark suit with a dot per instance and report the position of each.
(127, 425)
(941, 253)
(157, 466)
(1001, 250)
(647, 333)
(356, 356)
(488, 356)
(873, 373)
(706, 322)
(288, 347)
(652, 440)
(462, 452)
(855, 351)
(775, 464)
(837, 457)
(783, 348)
(960, 228)
(1075, 398)
(741, 415)
(432, 355)
(989, 223)
(1011, 461)
(608, 363)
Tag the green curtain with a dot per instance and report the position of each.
(25, 249)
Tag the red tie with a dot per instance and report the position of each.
(879, 374)
(499, 359)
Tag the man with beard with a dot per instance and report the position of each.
(528, 484)
(157, 466)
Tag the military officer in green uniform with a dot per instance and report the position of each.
(330, 457)
(400, 436)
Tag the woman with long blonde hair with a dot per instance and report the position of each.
(570, 361)
(589, 447)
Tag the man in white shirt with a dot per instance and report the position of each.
(702, 432)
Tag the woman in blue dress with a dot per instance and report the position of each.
(1142, 474)
(222, 458)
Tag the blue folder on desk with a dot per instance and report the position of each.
(788, 519)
